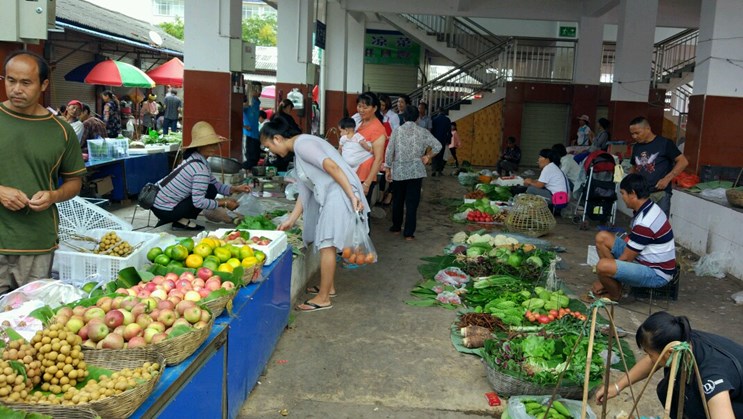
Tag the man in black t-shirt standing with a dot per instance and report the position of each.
(657, 159)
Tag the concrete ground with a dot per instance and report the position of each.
(373, 356)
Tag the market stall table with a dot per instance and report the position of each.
(217, 378)
(129, 174)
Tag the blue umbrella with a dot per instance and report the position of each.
(79, 73)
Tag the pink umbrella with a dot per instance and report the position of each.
(269, 92)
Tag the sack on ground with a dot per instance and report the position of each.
(358, 248)
(147, 195)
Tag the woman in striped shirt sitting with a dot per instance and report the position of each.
(191, 187)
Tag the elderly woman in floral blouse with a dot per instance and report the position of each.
(410, 149)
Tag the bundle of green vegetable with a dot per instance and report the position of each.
(257, 222)
(495, 192)
(540, 358)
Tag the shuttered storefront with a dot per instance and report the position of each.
(543, 125)
(396, 79)
(63, 91)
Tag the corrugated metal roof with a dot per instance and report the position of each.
(98, 19)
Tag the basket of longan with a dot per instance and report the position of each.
(53, 371)
(53, 411)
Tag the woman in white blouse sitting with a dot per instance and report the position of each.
(551, 179)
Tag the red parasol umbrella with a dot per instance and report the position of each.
(169, 73)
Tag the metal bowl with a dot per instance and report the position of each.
(224, 165)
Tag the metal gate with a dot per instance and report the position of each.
(63, 91)
(544, 124)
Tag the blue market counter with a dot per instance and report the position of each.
(130, 174)
(215, 381)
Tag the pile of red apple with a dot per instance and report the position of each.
(130, 322)
(172, 287)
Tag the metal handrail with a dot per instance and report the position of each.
(466, 36)
(674, 54)
(517, 59)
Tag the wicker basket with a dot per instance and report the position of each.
(217, 305)
(507, 385)
(56, 411)
(530, 216)
(735, 195)
(175, 350)
(118, 406)
(256, 275)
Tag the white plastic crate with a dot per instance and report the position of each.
(79, 268)
(274, 249)
(77, 216)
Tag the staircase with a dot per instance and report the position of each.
(484, 62)
(673, 70)
(457, 39)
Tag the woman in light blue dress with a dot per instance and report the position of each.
(330, 195)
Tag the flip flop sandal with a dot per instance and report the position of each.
(313, 306)
(314, 290)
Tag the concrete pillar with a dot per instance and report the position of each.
(587, 73)
(344, 62)
(336, 55)
(716, 108)
(209, 96)
(295, 27)
(630, 93)
(588, 54)
(355, 63)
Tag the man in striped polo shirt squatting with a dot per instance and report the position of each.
(647, 256)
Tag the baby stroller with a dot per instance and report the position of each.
(598, 194)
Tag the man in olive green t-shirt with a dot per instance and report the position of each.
(41, 148)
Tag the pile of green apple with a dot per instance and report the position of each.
(131, 322)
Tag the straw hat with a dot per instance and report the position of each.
(203, 134)
(584, 118)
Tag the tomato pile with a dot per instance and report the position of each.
(479, 216)
(552, 315)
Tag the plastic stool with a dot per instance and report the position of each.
(134, 214)
(670, 291)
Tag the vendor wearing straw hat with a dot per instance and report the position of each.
(192, 187)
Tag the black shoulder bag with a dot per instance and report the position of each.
(147, 195)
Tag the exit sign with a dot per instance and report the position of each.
(567, 31)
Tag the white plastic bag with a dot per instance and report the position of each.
(291, 191)
(716, 194)
(737, 297)
(50, 292)
(249, 205)
(712, 264)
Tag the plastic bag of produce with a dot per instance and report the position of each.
(452, 276)
(357, 247)
(518, 406)
(712, 264)
(48, 291)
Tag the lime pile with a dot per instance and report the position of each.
(208, 253)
